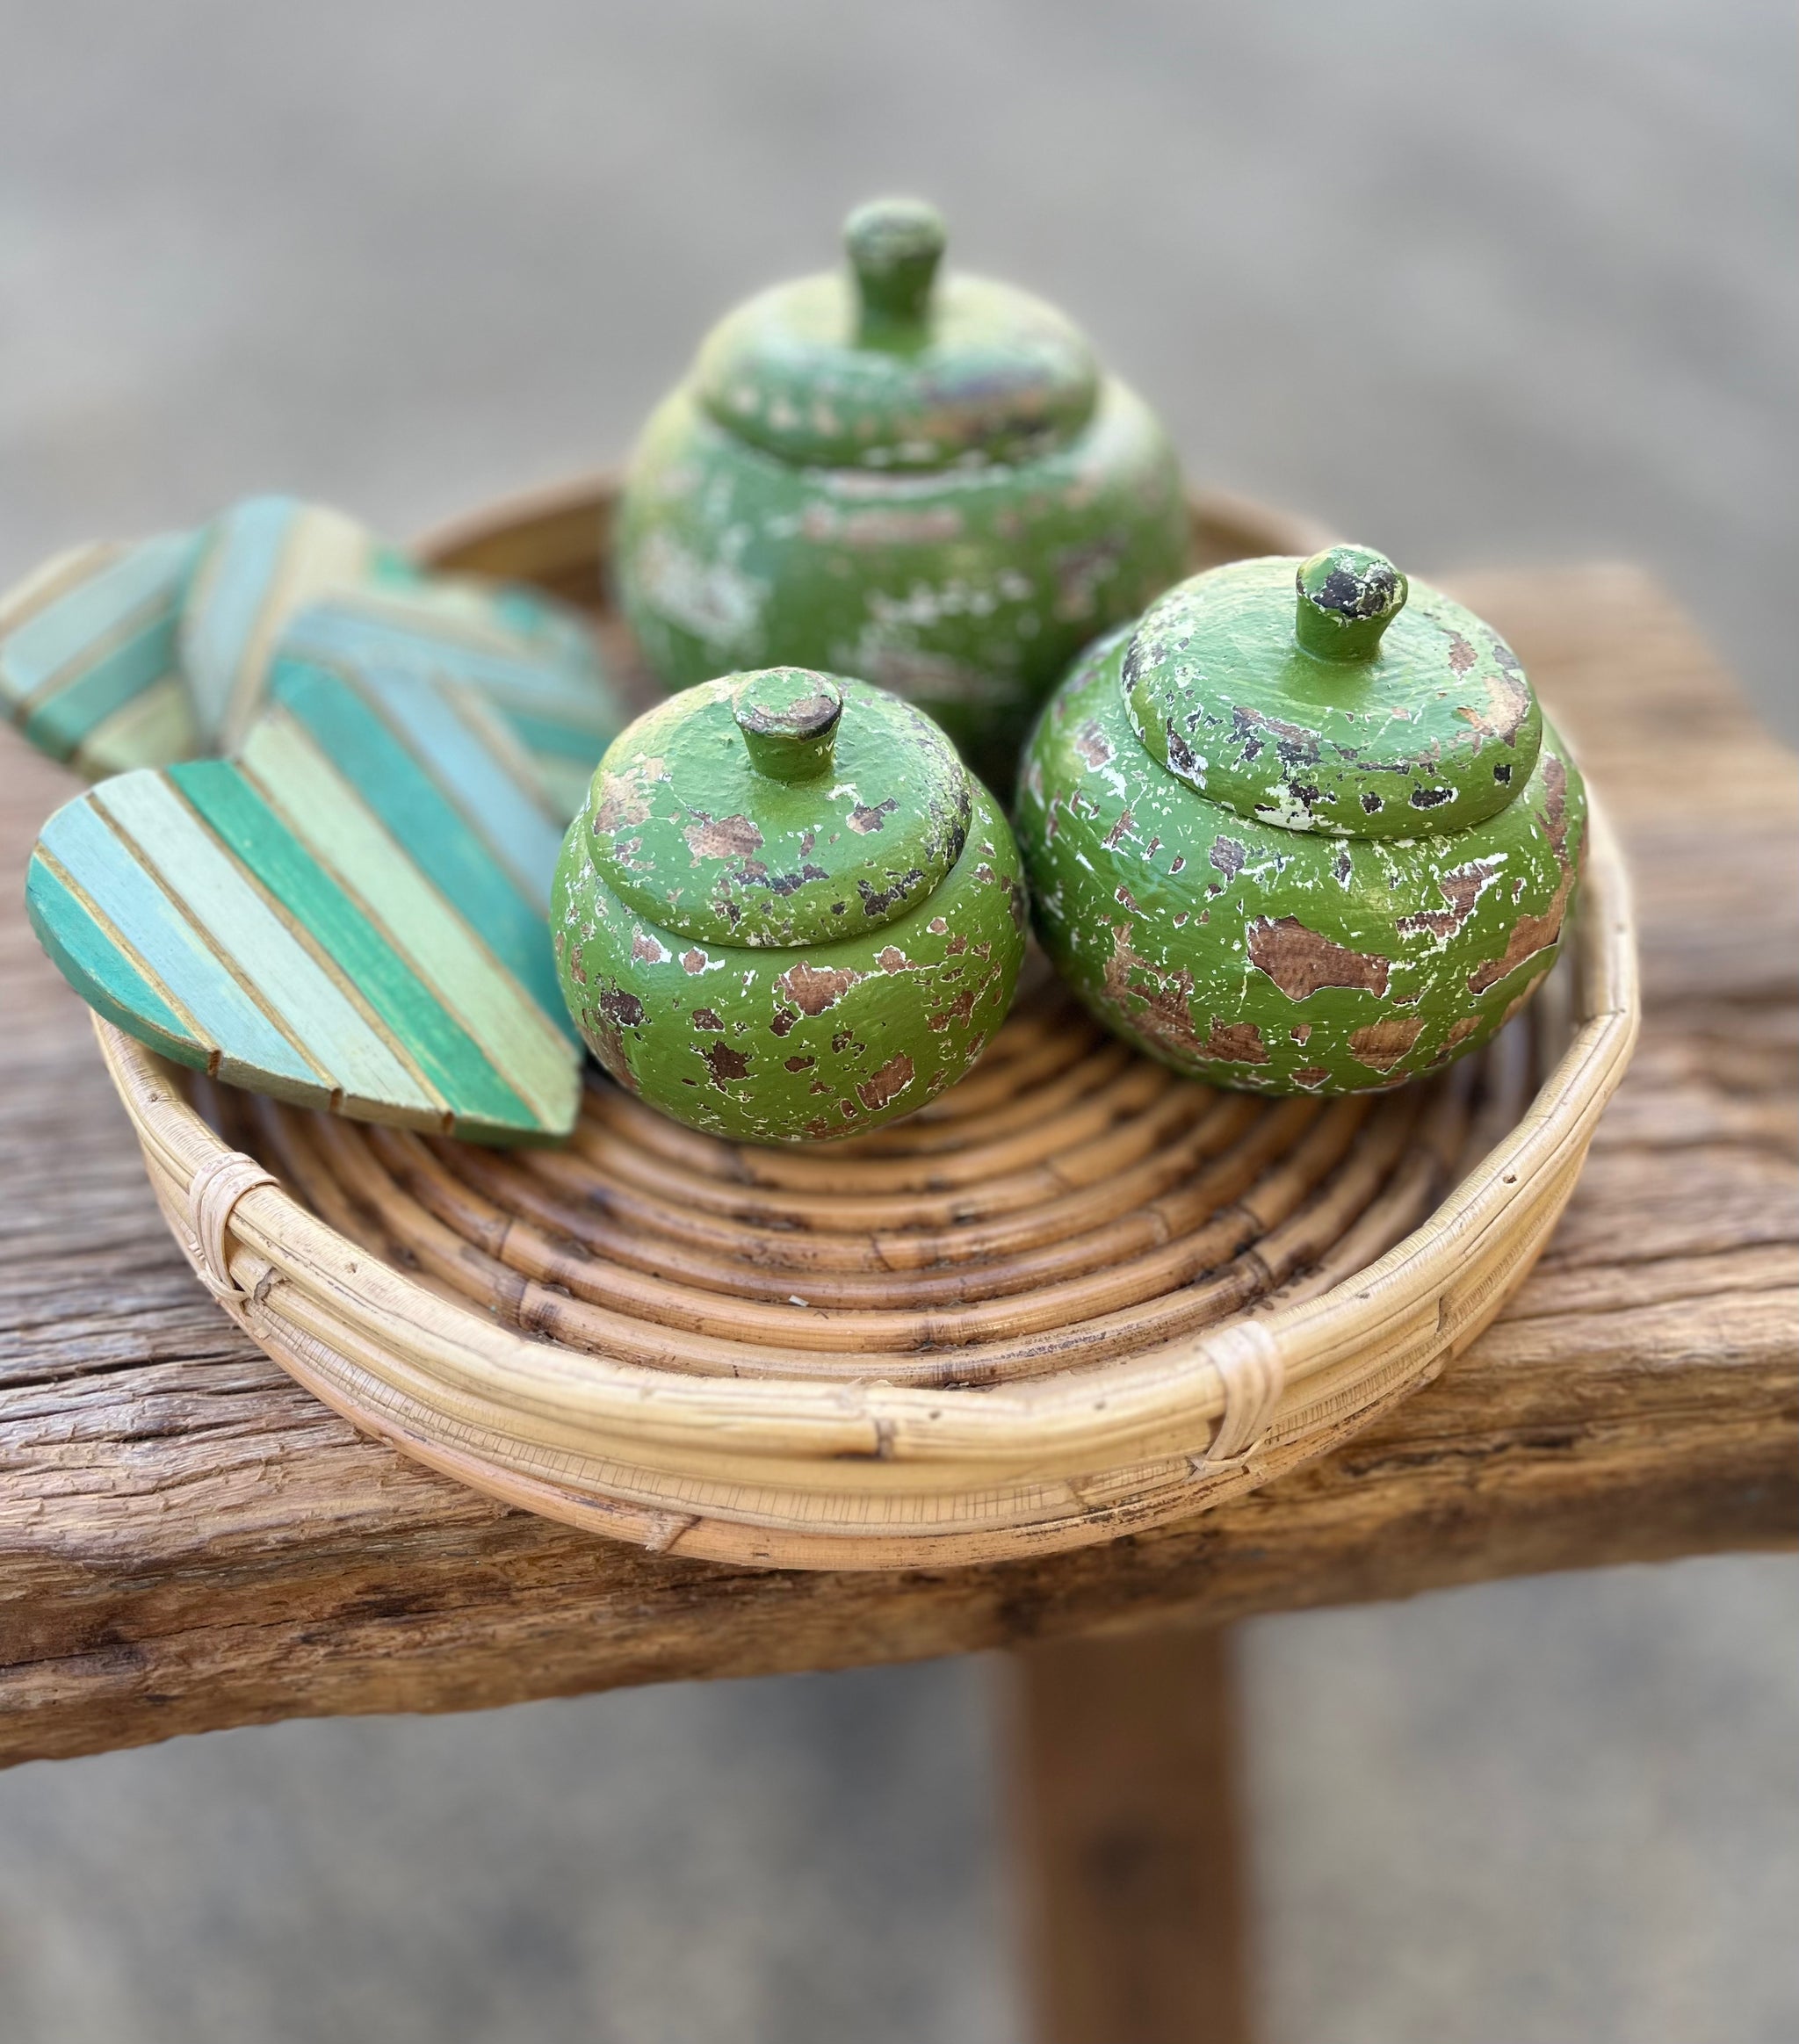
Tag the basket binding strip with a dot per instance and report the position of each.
(1077, 1296)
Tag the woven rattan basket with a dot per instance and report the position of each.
(1075, 1296)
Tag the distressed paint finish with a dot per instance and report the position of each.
(341, 917)
(1273, 952)
(753, 822)
(88, 666)
(929, 484)
(689, 827)
(1438, 732)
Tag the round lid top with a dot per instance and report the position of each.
(886, 366)
(781, 807)
(1331, 695)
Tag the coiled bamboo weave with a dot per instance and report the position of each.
(1075, 1296)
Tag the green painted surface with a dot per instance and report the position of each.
(266, 557)
(532, 659)
(824, 1037)
(1265, 951)
(690, 828)
(449, 847)
(929, 486)
(311, 1004)
(233, 809)
(117, 656)
(86, 640)
(1410, 719)
(322, 809)
(185, 905)
(127, 911)
(104, 974)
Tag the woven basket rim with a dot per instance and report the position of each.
(1085, 1407)
(750, 1438)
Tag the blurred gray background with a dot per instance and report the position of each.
(1479, 282)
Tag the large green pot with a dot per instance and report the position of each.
(926, 482)
(1302, 838)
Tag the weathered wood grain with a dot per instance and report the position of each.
(188, 1540)
(1123, 1756)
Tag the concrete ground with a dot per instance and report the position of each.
(1477, 282)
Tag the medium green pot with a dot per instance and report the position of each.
(787, 911)
(926, 482)
(1302, 838)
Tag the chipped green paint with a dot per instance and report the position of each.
(1357, 710)
(1218, 821)
(927, 482)
(787, 911)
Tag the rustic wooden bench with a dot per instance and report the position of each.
(188, 1540)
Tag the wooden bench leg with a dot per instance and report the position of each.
(1123, 1790)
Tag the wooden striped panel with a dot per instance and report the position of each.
(319, 920)
(266, 558)
(88, 655)
(430, 766)
(534, 661)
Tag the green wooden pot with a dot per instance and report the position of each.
(788, 911)
(1301, 840)
(926, 482)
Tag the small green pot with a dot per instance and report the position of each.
(1302, 838)
(787, 911)
(928, 483)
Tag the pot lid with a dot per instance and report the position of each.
(777, 808)
(1331, 695)
(885, 366)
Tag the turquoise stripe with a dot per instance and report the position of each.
(565, 740)
(449, 1057)
(523, 837)
(92, 964)
(559, 675)
(106, 870)
(60, 724)
(245, 556)
(450, 854)
(137, 596)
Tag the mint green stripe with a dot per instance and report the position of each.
(246, 554)
(433, 1039)
(283, 974)
(135, 599)
(160, 935)
(543, 735)
(93, 964)
(523, 838)
(60, 724)
(430, 828)
(556, 673)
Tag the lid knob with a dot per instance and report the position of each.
(789, 718)
(1347, 596)
(895, 245)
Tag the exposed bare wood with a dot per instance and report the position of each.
(188, 1540)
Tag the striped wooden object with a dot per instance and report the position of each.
(267, 558)
(535, 661)
(350, 915)
(88, 655)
